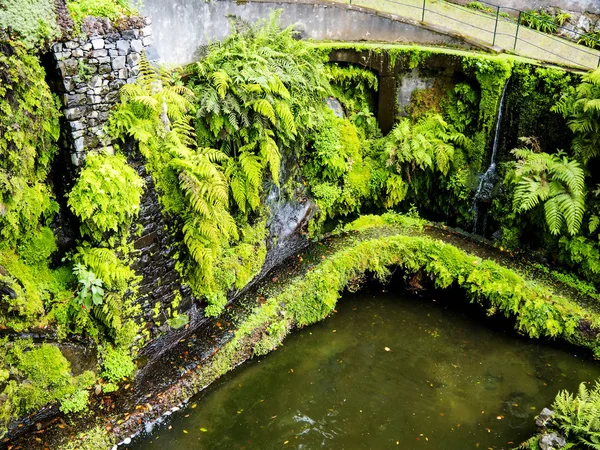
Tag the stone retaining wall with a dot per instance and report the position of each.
(92, 70)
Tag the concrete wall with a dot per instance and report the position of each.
(592, 6)
(181, 26)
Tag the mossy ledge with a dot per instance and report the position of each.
(372, 245)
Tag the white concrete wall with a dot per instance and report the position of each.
(181, 26)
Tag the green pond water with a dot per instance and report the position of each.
(386, 371)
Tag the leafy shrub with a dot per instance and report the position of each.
(91, 292)
(107, 194)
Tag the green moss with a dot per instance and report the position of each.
(33, 21)
(29, 130)
(117, 363)
(37, 288)
(39, 248)
(40, 375)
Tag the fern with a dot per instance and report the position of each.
(554, 181)
(156, 111)
(581, 108)
(257, 92)
(578, 416)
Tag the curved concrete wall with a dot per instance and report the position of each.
(181, 26)
(592, 6)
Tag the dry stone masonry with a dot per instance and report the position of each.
(92, 70)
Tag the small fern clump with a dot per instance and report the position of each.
(107, 195)
(578, 417)
(427, 145)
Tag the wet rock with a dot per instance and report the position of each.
(544, 418)
(6, 290)
(552, 441)
(335, 105)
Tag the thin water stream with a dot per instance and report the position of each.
(386, 371)
(483, 195)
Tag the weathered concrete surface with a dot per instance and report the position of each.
(411, 82)
(592, 6)
(181, 26)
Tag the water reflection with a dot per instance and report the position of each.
(386, 371)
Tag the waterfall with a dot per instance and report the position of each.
(483, 195)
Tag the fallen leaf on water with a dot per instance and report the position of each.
(194, 405)
(204, 430)
(285, 442)
(499, 417)
(185, 431)
(387, 349)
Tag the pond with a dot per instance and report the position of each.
(386, 371)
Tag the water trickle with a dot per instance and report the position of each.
(287, 218)
(483, 196)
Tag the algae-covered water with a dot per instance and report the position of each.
(386, 371)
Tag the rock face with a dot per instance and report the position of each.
(92, 69)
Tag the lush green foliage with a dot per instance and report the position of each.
(107, 195)
(578, 417)
(114, 10)
(192, 182)
(29, 130)
(33, 376)
(555, 181)
(257, 94)
(33, 22)
(581, 107)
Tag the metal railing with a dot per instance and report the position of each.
(505, 24)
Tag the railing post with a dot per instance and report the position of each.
(517, 33)
(496, 26)
(598, 66)
(423, 15)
